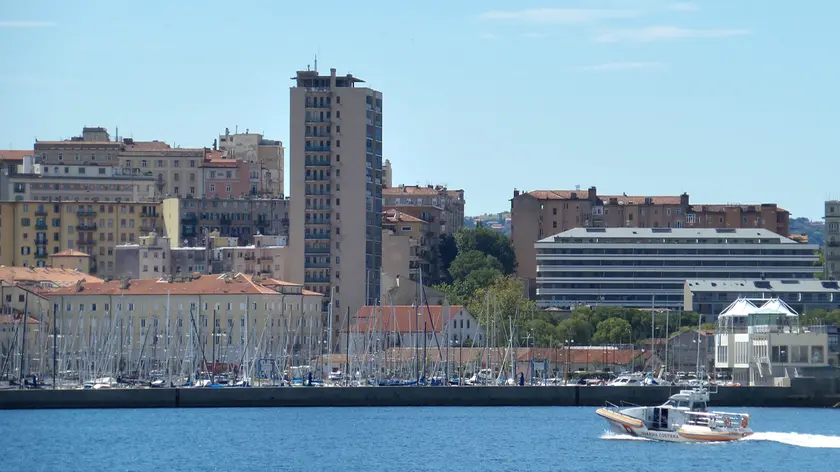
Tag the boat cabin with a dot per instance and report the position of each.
(692, 400)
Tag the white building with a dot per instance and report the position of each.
(644, 267)
(763, 345)
(265, 156)
(382, 327)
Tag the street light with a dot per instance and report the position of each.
(568, 351)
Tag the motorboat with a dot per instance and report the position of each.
(631, 380)
(683, 418)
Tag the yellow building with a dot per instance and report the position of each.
(32, 231)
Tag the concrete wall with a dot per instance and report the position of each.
(803, 393)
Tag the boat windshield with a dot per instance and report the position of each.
(676, 403)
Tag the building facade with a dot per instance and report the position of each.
(832, 239)
(648, 267)
(264, 156)
(541, 213)
(189, 221)
(31, 231)
(336, 187)
(407, 249)
(710, 297)
(82, 183)
(178, 315)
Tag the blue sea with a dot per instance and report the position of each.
(395, 439)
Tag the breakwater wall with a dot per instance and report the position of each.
(802, 393)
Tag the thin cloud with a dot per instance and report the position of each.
(665, 33)
(26, 24)
(620, 66)
(557, 15)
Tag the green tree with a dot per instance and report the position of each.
(489, 242)
(821, 263)
(467, 262)
(575, 330)
(448, 250)
(612, 330)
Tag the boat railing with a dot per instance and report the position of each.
(717, 419)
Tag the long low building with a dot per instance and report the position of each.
(711, 296)
(644, 267)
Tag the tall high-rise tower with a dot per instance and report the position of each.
(336, 189)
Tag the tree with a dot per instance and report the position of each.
(448, 250)
(575, 330)
(467, 262)
(612, 330)
(489, 242)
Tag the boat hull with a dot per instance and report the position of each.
(623, 424)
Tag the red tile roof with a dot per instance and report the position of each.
(14, 155)
(414, 190)
(635, 200)
(394, 216)
(402, 318)
(45, 274)
(203, 285)
(70, 253)
(147, 146)
(16, 319)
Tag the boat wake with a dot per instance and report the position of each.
(818, 441)
(622, 437)
(798, 439)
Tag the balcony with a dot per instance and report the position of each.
(317, 179)
(146, 214)
(88, 242)
(316, 250)
(41, 225)
(317, 236)
(189, 217)
(148, 228)
(40, 242)
(249, 257)
(86, 227)
(317, 105)
(284, 221)
(320, 208)
(317, 265)
(832, 243)
(225, 221)
(85, 213)
(41, 255)
(317, 149)
(312, 163)
(313, 279)
(41, 212)
(319, 223)
(316, 193)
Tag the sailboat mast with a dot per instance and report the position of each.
(23, 338)
(55, 346)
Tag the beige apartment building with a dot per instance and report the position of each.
(265, 156)
(406, 248)
(93, 147)
(336, 187)
(541, 213)
(178, 314)
(441, 207)
(832, 239)
(176, 171)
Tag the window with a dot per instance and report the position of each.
(817, 355)
(24, 222)
(227, 188)
(212, 187)
(143, 163)
(337, 143)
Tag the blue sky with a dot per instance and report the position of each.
(731, 101)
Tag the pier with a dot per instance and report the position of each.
(819, 393)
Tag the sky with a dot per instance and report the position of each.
(732, 101)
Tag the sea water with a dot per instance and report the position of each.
(396, 439)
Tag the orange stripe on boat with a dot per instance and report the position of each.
(710, 437)
(619, 418)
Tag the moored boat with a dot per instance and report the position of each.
(683, 418)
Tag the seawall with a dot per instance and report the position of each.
(805, 393)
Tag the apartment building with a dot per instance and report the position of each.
(406, 247)
(176, 171)
(31, 231)
(225, 177)
(12, 159)
(648, 267)
(387, 175)
(178, 314)
(93, 147)
(443, 208)
(85, 183)
(189, 221)
(541, 213)
(264, 156)
(21, 288)
(336, 187)
(832, 239)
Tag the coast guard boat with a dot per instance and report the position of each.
(683, 418)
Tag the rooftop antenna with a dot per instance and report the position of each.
(316, 63)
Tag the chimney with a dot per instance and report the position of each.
(125, 283)
(684, 199)
(593, 194)
(515, 193)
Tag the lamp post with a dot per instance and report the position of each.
(568, 343)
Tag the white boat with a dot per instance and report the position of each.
(683, 418)
(631, 380)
